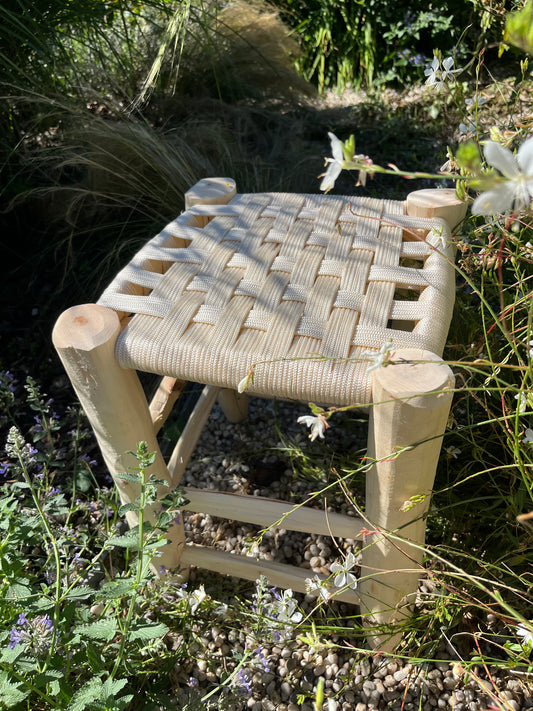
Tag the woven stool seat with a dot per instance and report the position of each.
(295, 297)
(304, 286)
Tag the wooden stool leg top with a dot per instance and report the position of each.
(437, 203)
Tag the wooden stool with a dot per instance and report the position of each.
(299, 289)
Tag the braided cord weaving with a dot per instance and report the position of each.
(299, 286)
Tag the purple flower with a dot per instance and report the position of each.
(262, 659)
(409, 18)
(88, 460)
(193, 681)
(10, 378)
(4, 469)
(36, 633)
(55, 490)
(15, 638)
(244, 681)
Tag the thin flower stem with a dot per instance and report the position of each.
(53, 544)
(142, 566)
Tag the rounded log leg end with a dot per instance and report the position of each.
(85, 327)
(211, 191)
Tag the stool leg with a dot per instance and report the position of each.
(234, 405)
(413, 402)
(114, 401)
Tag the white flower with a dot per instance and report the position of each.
(531, 349)
(437, 238)
(378, 358)
(525, 633)
(196, 598)
(432, 73)
(528, 439)
(335, 164)
(516, 190)
(317, 424)
(447, 71)
(343, 577)
(453, 451)
(284, 611)
(316, 584)
(437, 75)
(470, 127)
(521, 399)
(475, 102)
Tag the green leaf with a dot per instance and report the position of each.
(114, 590)
(50, 676)
(11, 694)
(158, 482)
(126, 541)
(18, 591)
(95, 659)
(147, 630)
(9, 656)
(101, 629)
(164, 519)
(162, 541)
(111, 687)
(128, 507)
(80, 593)
(89, 692)
(128, 476)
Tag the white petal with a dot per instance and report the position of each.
(492, 202)
(501, 158)
(524, 157)
(448, 63)
(336, 148)
(242, 385)
(331, 175)
(317, 430)
(307, 420)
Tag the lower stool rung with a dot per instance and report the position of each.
(279, 574)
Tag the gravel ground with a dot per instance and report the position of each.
(284, 674)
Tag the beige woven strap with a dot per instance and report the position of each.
(286, 280)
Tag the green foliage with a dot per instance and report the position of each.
(519, 28)
(59, 651)
(349, 43)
